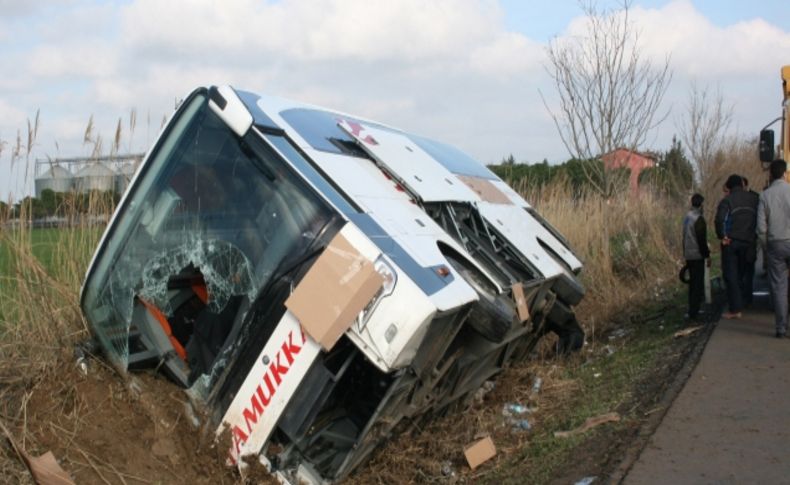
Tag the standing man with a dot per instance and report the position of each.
(736, 219)
(696, 253)
(773, 231)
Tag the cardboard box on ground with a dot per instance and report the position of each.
(334, 291)
(480, 452)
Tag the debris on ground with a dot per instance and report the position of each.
(537, 385)
(619, 333)
(687, 331)
(447, 469)
(45, 468)
(586, 481)
(514, 416)
(520, 425)
(589, 424)
(480, 394)
(480, 452)
(515, 409)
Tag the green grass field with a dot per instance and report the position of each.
(43, 242)
(35, 261)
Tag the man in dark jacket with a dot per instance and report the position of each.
(736, 221)
(696, 253)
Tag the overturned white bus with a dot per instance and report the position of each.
(314, 280)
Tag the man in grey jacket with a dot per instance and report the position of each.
(773, 232)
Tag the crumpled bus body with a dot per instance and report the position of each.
(315, 280)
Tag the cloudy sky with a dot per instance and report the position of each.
(467, 72)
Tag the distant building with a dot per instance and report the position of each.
(55, 178)
(632, 160)
(86, 174)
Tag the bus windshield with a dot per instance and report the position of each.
(202, 231)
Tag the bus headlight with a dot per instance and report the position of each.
(390, 280)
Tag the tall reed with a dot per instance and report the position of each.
(629, 245)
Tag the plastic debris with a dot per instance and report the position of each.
(619, 333)
(514, 416)
(537, 385)
(480, 394)
(521, 425)
(586, 481)
(191, 416)
(82, 365)
(447, 469)
(514, 409)
(82, 352)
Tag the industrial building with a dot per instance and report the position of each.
(84, 174)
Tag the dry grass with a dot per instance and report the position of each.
(40, 319)
(629, 246)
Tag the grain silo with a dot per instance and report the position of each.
(124, 175)
(95, 176)
(56, 178)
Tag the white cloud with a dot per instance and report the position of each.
(703, 50)
(444, 68)
(86, 59)
(363, 30)
(19, 8)
(508, 54)
(12, 117)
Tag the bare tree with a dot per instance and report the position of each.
(610, 96)
(704, 127)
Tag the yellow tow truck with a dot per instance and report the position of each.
(768, 150)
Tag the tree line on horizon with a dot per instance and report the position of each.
(673, 173)
(58, 204)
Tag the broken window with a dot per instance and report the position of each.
(212, 219)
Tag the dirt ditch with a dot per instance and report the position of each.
(105, 429)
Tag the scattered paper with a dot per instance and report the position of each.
(589, 424)
(47, 471)
(686, 332)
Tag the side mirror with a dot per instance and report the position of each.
(766, 145)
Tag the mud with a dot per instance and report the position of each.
(105, 429)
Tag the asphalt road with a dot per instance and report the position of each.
(731, 422)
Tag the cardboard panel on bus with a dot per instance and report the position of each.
(334, 291)
(485, 190)
(520, 298)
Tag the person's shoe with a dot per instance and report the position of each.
(731, 315)
(781, 335)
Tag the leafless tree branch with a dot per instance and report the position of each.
(704, 126)
(610, 96)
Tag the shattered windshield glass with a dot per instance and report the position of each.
(204, 229)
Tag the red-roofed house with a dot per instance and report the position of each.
(634, 161)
